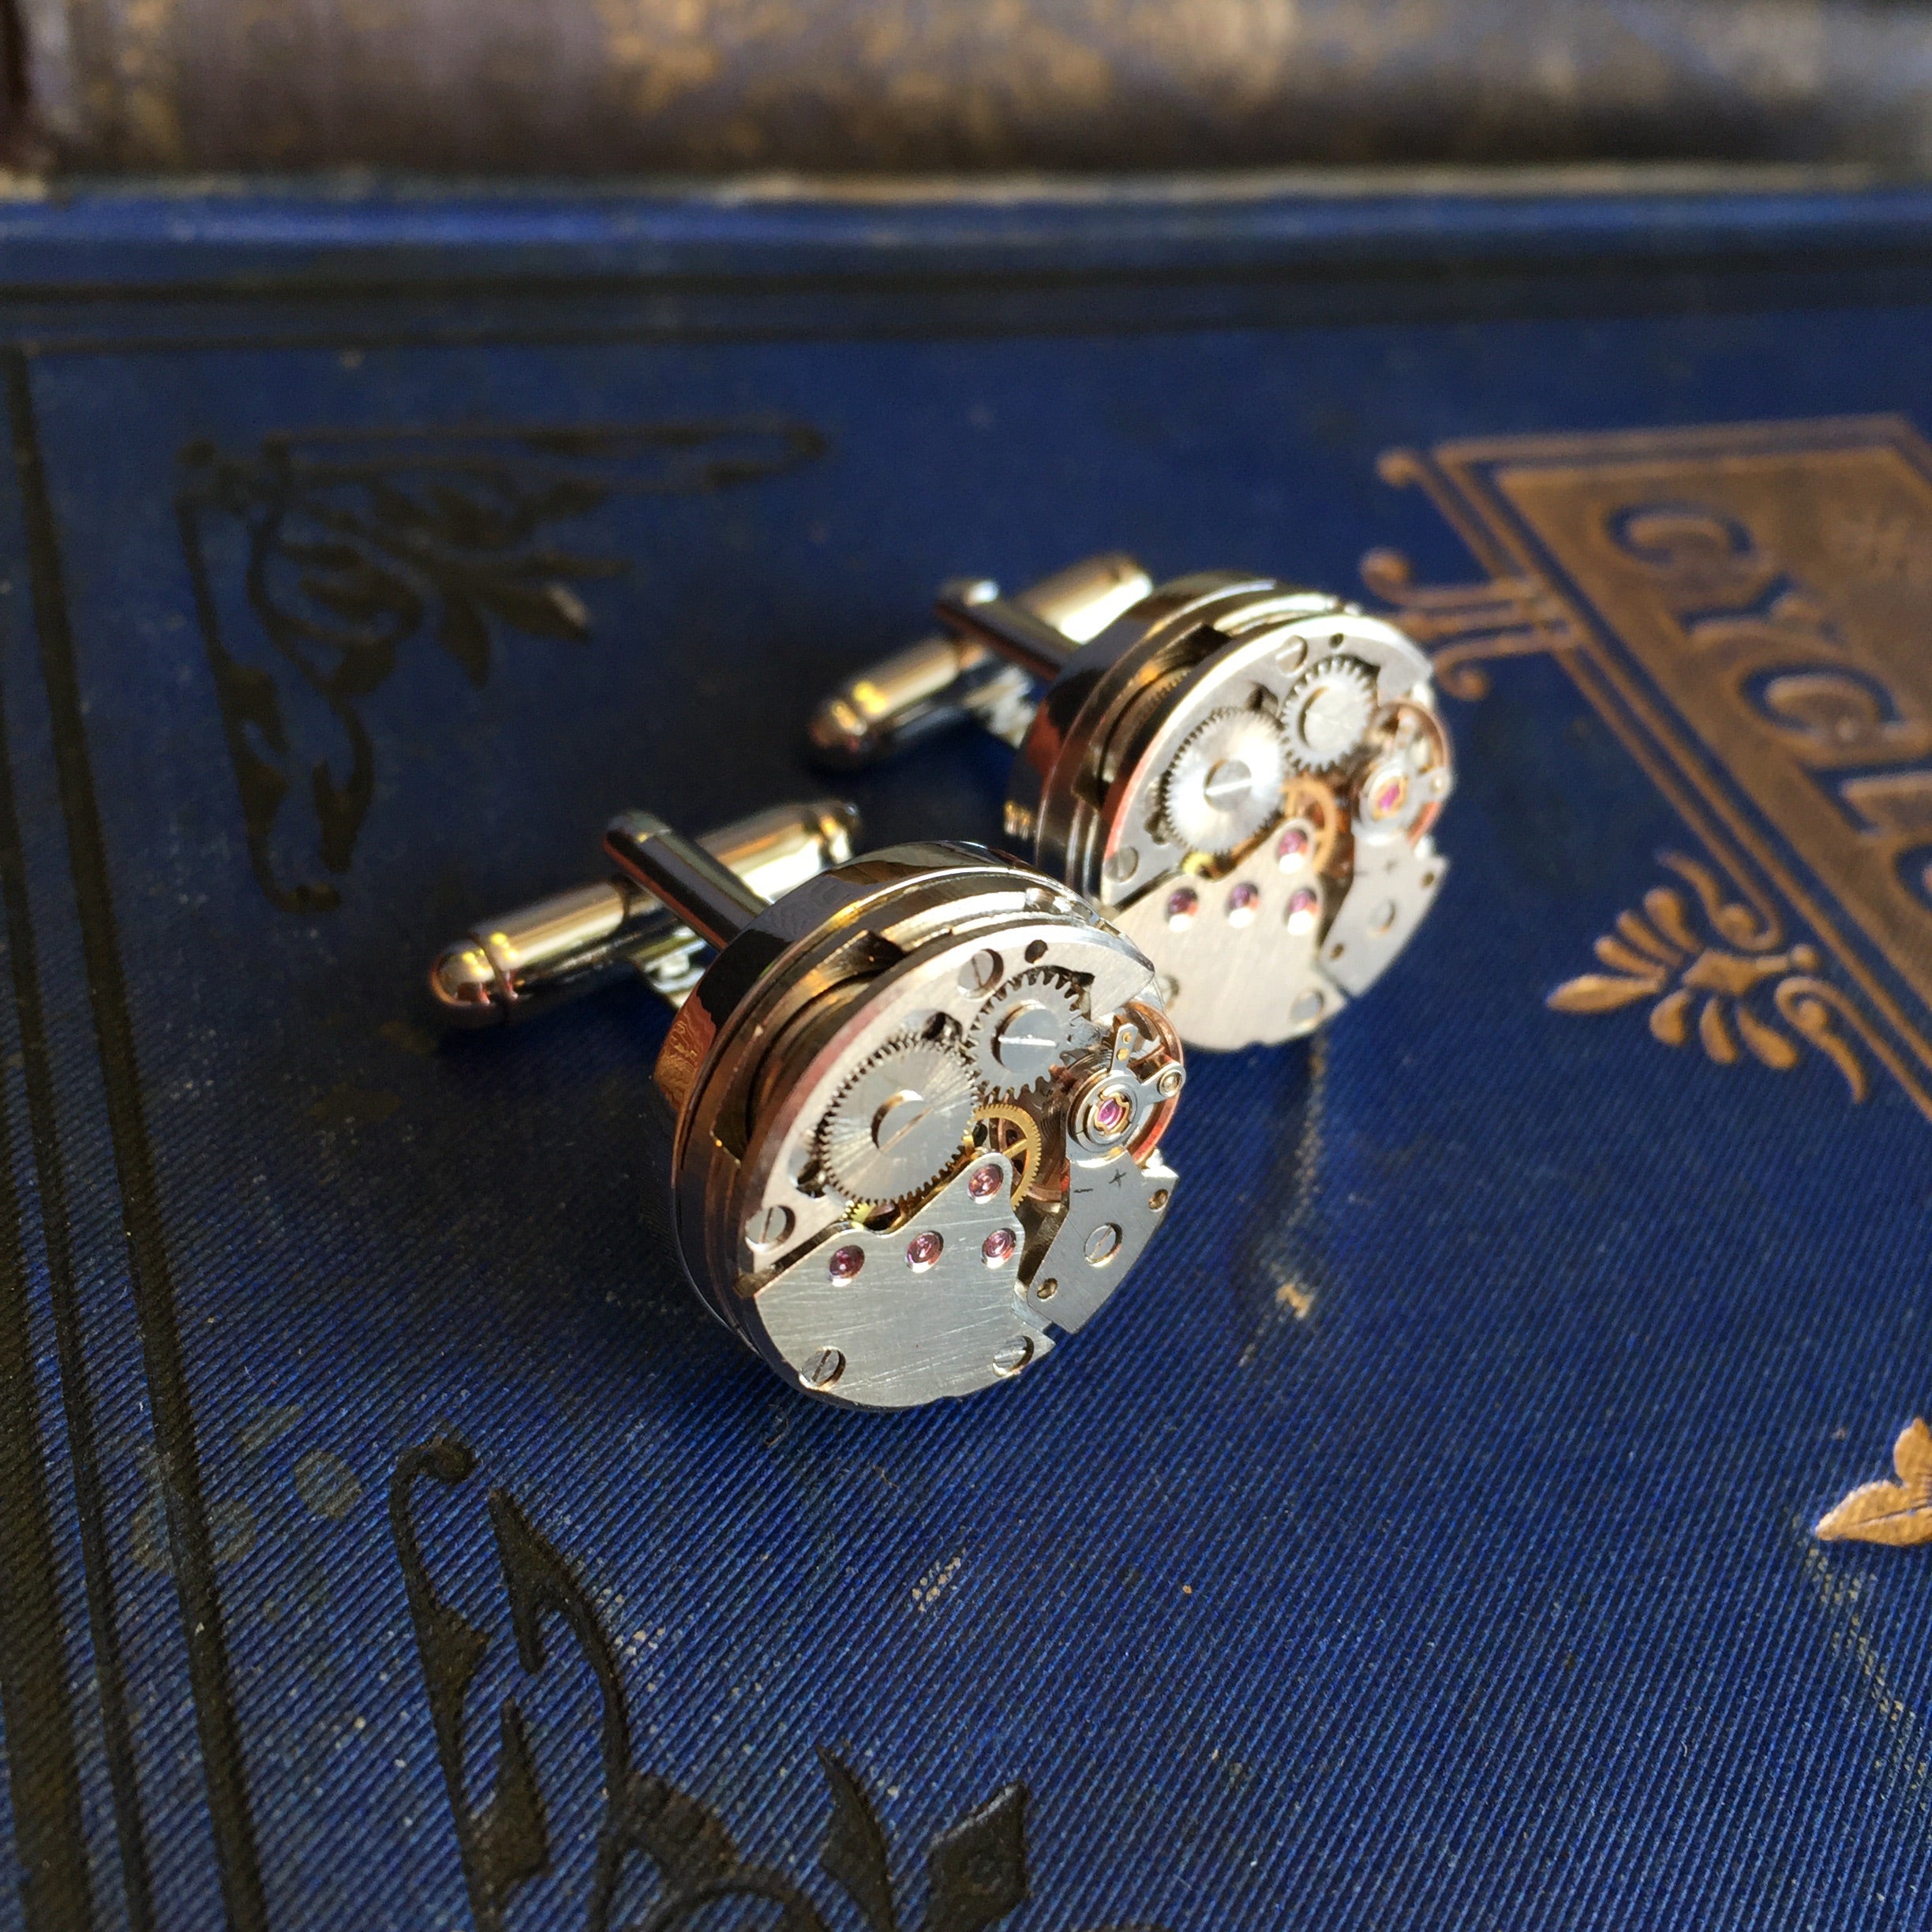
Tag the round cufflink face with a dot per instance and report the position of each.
(925, 1137)
(1243, 777)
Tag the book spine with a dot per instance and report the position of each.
(616, 87)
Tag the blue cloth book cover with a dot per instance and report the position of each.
(1426, 1535)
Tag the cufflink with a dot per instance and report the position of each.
(1241, 776)
(909, 1115)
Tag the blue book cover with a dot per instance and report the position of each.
(1429, 1533)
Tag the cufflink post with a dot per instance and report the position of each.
(1041, 649)
(703, 892)
(543, 955)
(943, 681)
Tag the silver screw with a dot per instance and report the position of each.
(1013, 1356)
(981, 972)
(825, 1368)
(1102, 1244)
(768, 1228)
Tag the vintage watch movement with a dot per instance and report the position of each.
(910, 1113)
(1242, 776)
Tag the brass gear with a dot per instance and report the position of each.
(1013, 1131)
(1309, 801)
(1409, 751)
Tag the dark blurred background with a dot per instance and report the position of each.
(591, 87)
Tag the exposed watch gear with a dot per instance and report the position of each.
(1012, 1131)
(1312, 817)
(898, 1123)
(1327, 713)
(1225, 784)
(1027, 1027)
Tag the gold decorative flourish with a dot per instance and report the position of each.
(1661, 955)
(1462, 625)
(1898, 1513)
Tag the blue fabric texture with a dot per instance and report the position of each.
(1422, 1538)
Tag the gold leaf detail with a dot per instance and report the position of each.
(1766, 1042)
(1736, 923)
(1730, 978)
(1631, 926)
(1808, 1005)
(1595, 993)
(1731, 974)
(1667, 1020)
(1666, 908)
(1716, 1034)
(1625, 960)
(1897, 1513)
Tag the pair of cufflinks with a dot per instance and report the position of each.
(913, 1106)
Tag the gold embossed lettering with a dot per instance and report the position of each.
(1787, 659)
(1891, 802)
(1749, 608)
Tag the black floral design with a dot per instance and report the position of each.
(353, 547)
(976, 1869)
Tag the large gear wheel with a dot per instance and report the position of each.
(1027, 1027)
(1225, 784)
(898, 1123)
(1327, 711)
